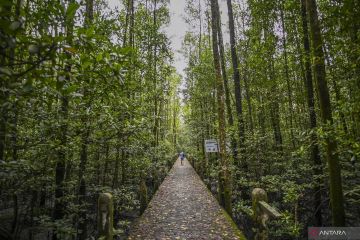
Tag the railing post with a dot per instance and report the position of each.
(143, 195)
(105, 216)
(258, 195)
(262, 212)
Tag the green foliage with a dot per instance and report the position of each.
(101, 103)
(277, 154)
(84, 96)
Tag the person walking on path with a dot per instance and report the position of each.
(182, 156)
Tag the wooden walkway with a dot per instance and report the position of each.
(183, 208)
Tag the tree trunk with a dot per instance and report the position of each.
(287, 77)
(132, 23)
(336, 192)
(337, 94)
(83, 210)
(116, 170)
(156, 100)
(273, 94)
(143, 195)
(14, 225)
(89, 16)
(226, 87)
(238, 97)
(124, 43)
(354, 56)
(224, 174)
(5, 92)
(237, 85)
(123, 166)
(106, 166)
(59, 206)
(248, 98)
(3, 123)
(314, 148)
(274, 108)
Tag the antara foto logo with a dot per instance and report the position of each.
(318, 233)
(332, 233)
(314, 232)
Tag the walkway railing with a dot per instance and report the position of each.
(262, 212)
(105, 216)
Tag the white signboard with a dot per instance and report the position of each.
(211, 145)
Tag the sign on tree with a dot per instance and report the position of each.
(211, 145)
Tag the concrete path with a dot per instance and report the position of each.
(183, 208)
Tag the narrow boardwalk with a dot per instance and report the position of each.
(183, 208)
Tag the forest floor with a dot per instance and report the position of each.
(183, 208)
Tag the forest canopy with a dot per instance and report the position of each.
(91, 102)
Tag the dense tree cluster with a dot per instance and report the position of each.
(290, 90)
(89, 104)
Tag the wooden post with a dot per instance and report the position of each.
(105, 216)
(143, 195)
(262, 211)
(206, 170)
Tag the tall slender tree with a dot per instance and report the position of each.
(226, 87)
(314, 151)
(336, 192)
(89, 17)
(236, 78)
(59, 206)
(224, 174)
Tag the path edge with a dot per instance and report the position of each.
(233, 225)
(135, 223)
